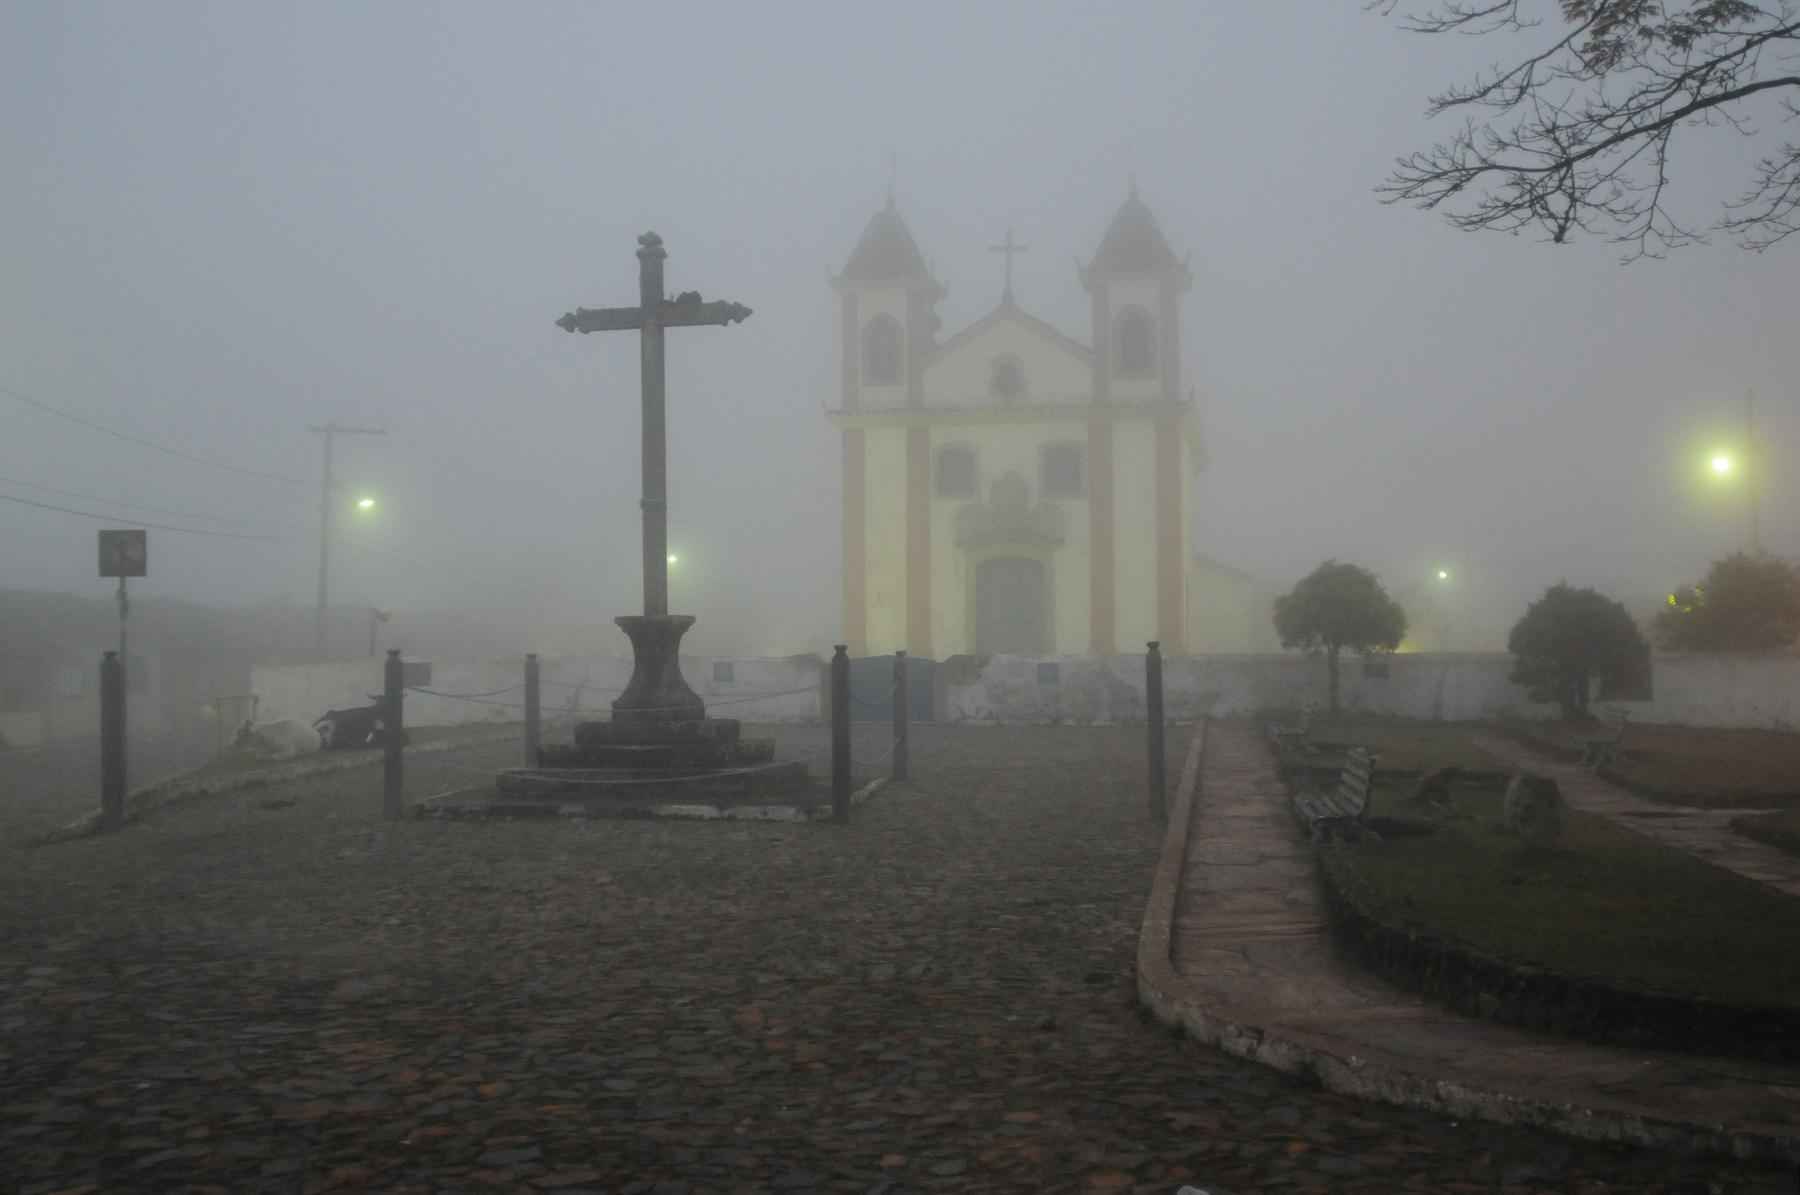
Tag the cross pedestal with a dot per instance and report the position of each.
(657, 692)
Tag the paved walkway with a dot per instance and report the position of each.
(1703, 832)
(1250, 942)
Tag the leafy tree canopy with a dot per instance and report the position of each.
(1746, 603)
(1568, 637)
(1337, 606)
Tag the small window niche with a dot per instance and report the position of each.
(956, 471)
(1006, 379)
(1064, 471)
(1134, 343)
(881, 352)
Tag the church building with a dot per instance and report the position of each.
(1011, 489)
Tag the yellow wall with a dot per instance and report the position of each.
(1053, 373)
(1001, 448)
(1134, 509)
(886, 538)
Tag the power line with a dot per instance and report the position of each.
(186, 514)
(134, 522)
(131, 439)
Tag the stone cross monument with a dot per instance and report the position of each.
(657, 692)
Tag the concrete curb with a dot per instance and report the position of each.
(1296, 1052)
(184, 787)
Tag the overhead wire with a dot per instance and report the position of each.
(40, 405)
(185, 514)
(88, 514)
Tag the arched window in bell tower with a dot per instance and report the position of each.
(881, 352)
(1134, 343)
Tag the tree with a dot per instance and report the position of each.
(1746, 603)
(1339, 606)
(1577, 134)
(1567, 638)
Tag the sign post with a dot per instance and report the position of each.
(122, 554)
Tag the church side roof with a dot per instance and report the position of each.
(1010, 310)
(886, 252)
(1134, 243)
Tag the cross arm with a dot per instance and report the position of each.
(690, 311)
(685, 312)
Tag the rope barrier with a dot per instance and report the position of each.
(463, 696)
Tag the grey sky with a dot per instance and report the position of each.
(230, 221)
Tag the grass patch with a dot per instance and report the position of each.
(1602, 905)
(1689, 764)
(1780, 830)
(1403, 746)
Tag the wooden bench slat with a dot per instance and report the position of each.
(1348, 802)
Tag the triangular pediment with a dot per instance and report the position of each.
(1052, 365)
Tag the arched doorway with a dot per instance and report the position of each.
(1012, 607)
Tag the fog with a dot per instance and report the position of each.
(227, 223)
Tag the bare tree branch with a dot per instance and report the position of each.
(1579, 134)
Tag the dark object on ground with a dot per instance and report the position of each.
(1533, 809)
(1602, 749)
(359, 726)
(1433, 790)
(1341, 810)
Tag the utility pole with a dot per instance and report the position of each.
(1753, 464)
(329, 431)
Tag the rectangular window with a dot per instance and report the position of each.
(1064, 475)
(956, 471)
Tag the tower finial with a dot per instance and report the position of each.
(893, 174)
(1131, 181)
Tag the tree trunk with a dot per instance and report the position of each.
(1331, 667)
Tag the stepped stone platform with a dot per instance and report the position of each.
(694, 768)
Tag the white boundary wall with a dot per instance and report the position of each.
(571, 687)
(1754, 692)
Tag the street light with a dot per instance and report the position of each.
(1722, 465)
(1443, 574)
(674, 559)
(365, 504)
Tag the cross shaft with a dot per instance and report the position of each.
(653, 314)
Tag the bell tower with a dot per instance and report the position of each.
(1135, 283)
(887, 330)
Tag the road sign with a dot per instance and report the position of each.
(124, 553)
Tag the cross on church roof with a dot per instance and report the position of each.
(1009, 248)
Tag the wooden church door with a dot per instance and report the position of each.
(1012, 607)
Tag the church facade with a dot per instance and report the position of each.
(1011, 489)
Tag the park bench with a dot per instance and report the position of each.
(1341, 810)
(1297, 735)
(1599, 750)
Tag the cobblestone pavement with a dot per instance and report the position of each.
(278, 992)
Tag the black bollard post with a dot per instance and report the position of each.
(840, 734)
(902, 718)
(393, 719)
(112, 742)
(532, 729)
(1153, 712)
